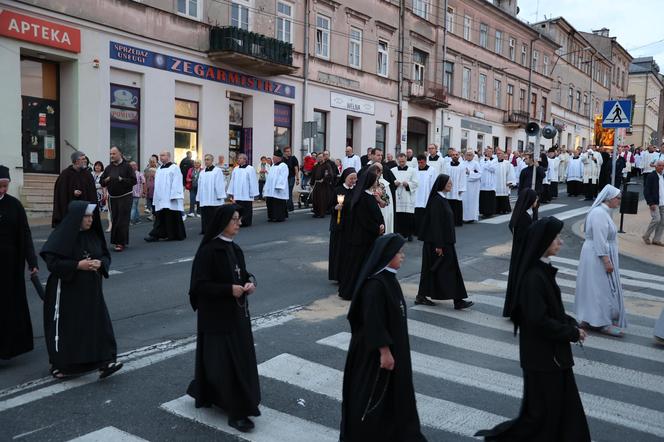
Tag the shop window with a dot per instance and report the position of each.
(464, 140)
(480, 142)
(447, 137)
(283, 118)
(125, 120)
(235, 129)
(349, 131)
(186, 128)
(321, 128)
(381, 135)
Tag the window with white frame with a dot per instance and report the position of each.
(449, 19)
(484, 35)
(545, 65)
(512, 45)
(498, 43)
(481, 92)
(240, 16)
(355, 48)
(419, 65)
(285, 22)
(421, 8)
(465, 84)
(383, 57)
(467, 22)
(190, 8)
(535, 60)
(322, 36)
(497, 94)
(524, 54)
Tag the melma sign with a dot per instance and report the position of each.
(38, 31)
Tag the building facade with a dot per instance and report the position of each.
(646, 88)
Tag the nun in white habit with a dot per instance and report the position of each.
(599, 301)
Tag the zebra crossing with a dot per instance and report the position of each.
(553, 209)
(466, 373)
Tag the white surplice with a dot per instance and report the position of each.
(552, 169)
(168, 189)
(425, 180)
(405, 199)
(504, 178)
(354, 162)
(211, 188)
(244, 184)
(488, 174)
(575, 170)
(388, 210)
(562, 168)
(592, 164)
(438, 165)
(458, 176)
(471, 197)
(276, 184)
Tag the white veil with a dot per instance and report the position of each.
(607, 193)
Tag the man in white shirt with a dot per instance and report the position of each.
(276, 189)
(211, 191)
(411, 159)
(434, 160)
(457, 174)
(471, 197)
(168, 202)
(243, 188)
(406, 188)
(350, 160)
(488, 168)
(426, 175)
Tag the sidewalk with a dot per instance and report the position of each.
(631, 243)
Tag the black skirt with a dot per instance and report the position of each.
(503, 204)
(487, 202)
(351, 269)
(336, 254)
(446, 281)
(551, 411)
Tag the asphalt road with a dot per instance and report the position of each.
(466, 363)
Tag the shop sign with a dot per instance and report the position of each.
(41, 32)
(282, 115)
(143, 57)
(124, 115)
(472, 125)
(353, 104)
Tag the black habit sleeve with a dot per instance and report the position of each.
(375, 315)
(29, 247)
(371, 218)
(64, 268)
(206, 286)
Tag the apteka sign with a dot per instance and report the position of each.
(42, 32)
(131, 54)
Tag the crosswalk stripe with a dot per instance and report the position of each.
(510, 351)
(632, 329)
(609, 410)
(271, 425)
(571, 213)
(108, 434)
(629, 273)
(321, 379)
(505, 218)
(500, 323)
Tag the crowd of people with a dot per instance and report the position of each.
(376, 205)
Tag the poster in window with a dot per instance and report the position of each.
(49, 147)
(125, 96)
(235, 113)
(42, 119)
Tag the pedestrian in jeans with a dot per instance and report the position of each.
(262, 176)
(654, 194)
(149, 174)
(137, 192)
(191, 184)
(293, 175)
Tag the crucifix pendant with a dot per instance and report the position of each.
(238, 271)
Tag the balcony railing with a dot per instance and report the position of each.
(516, 118)
(250, 50)
(428, 93)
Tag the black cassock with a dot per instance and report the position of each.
(168, 225)
(226, 374)
(339, 235)
(77, 326)
(16, 249)
(445, 280)
(365, 221)
(551, 410)
(386, 401)
(323, 177)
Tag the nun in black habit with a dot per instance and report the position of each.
(551, 410)
(226, 373)
(338, 222)
(440, 277)
(366, 224)
(378, 401)
(518, 225)
(77, 327)
(16, 249)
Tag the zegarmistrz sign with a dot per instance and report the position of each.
(144, 57)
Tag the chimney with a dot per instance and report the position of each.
(508, 6)
(604, 32)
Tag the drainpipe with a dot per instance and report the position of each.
(400, 79)
(591, 123)
(442, 109)
(645, 109)
(305, 71)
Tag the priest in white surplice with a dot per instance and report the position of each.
(471, 197)
(276, 189)
(505, 180)
(168, 200)
(488, 166)
(243, 188)
(575, 175)
(592, 163)
(406, 189)
(426, 176)
(435, 160)
(211, 191)
(457, 174)
(350, 160)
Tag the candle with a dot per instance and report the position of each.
(340, 200)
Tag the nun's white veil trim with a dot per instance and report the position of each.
(607, 193)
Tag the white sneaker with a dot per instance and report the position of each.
(184, 218)
(197, 215)
(190, 215)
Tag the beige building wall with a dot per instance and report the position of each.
(646, 89)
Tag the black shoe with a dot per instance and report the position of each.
(243, 424)
(422, 300)
(460, 305)
(110, 369)
(151, 239)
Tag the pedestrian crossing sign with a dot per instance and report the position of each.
(617, 113)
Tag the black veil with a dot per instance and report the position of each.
(365, 181)
(525, 201)
(62, 240)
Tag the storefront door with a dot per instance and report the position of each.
(417, 135)
(40, 116)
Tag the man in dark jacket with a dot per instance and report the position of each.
(74, 183)
(654, 194)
